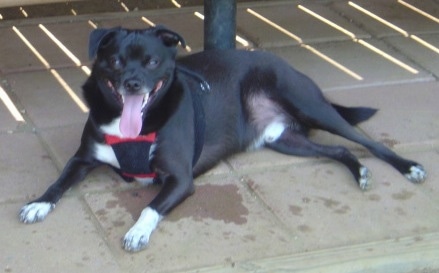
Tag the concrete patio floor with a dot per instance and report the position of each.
(255, 212)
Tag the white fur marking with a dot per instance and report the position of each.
(138, 236)
(364, 180)
(270, 134)
(417, 174)
(112, 128)
(273, 131)
(144, 181)
(35, 212)
(105, 153)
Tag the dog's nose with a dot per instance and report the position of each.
(132, 85)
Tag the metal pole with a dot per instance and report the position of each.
(219, 24)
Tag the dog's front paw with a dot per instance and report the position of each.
(365, 178)
(416, 174)
(137, 237)
(35, 212)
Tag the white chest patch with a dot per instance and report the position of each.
(112, 128)
(104, 152)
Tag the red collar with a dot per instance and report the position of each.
(112, 139)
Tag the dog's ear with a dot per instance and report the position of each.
(169, 37)
(96, 38)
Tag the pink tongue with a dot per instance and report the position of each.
(131, 119)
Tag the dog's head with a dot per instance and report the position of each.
(133, 69)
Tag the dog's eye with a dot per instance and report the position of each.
(152, 63)
(115, 63)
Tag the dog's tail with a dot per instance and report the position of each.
(355, 115)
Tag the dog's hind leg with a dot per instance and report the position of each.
(293, 143)
(327, 118)
(412, 170)
(313, 109)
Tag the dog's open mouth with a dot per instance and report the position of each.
(133, 107)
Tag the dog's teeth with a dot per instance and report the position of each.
(145, 100)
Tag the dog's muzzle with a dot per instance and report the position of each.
(133, 105)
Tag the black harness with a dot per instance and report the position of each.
(133, 154)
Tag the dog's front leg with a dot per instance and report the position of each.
(174, 191)
(37, 210)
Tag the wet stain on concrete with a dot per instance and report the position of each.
(374, 197)
(387, 184)
(133, 201)
(251, 238)
(385, 139)
(418, 239)
(304, 228)
(403, 195)
(306, 200)
(111, 204)
(296, 210)
(389, 142)
(400, 211)
(250, 183)
(329, 203)
(101, 214)
(118, 223)
(334, 205)
(227, 235)
(217, 202)
(342, 210)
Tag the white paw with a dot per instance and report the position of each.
(35, 212)
(137, 237)
(417, 174)
(365, 178)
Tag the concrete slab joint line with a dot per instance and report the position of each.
(393, 256)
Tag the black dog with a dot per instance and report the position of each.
(154, 117)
